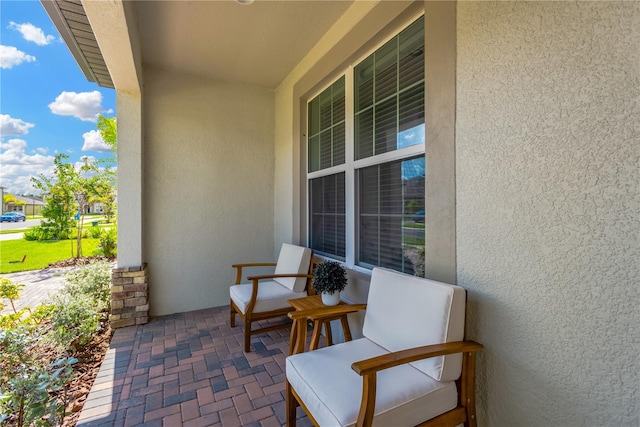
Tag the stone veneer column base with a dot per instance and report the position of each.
(129, 296)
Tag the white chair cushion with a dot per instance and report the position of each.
(271, 296)
(293, 260)
(407, 311)
(332, 391)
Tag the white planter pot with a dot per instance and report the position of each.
(331, 299)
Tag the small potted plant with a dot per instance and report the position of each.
(329, 278)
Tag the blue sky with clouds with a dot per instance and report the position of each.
(47, 106)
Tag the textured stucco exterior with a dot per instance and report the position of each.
(548, 208)
(209, 187)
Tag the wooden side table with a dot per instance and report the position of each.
(312, 308)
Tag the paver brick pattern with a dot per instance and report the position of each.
(189, 369)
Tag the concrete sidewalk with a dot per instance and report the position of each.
(39, 285)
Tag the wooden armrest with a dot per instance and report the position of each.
(239, 268)
(369, 368)
(277, 276)
(389, 360)
(255, 264)
(255, 282)
(326, 312)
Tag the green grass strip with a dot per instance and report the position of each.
(40, 254)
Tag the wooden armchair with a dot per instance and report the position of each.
(266, 296)
(412, 367)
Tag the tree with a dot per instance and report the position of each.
(70, 191)
(107, 128)
(108, 131)
(59, 208)
(92, 183)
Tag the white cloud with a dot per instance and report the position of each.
(85, 106)
(10, 56)
(42, 150)
(18, 167)
(13, 127)
(93, 142)
(32, 33)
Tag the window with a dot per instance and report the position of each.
(366, 186)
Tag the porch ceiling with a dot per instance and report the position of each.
(255, 44)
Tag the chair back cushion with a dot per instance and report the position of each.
(407, 311)
(293, 260)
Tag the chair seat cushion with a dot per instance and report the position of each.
(271, 296)
(405, 395)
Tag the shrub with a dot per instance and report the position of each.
(108, 242)
(10, 291)
(43, 233)
(26, 381)
(32, 234)
(74, 320)
(93, 280)
(12, 320)
(28, 384)
(95, 231)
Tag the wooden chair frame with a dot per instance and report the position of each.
(249, 317)
(463, 413)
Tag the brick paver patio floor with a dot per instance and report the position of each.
(189, 369)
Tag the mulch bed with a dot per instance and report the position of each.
(72, 262)
(85, 371)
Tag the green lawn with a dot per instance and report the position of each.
(40, 254)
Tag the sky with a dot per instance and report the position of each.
(47, 105)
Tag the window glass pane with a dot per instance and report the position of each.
(411, 117)
(338, 144)
(411, 108)
(364, 84)
(369, 240)
(325, 149)
(314, 116)
(325, 109)
(411, 56)
(391, 215)
(364, 134)
(314, 153)
(386, 126)
(327, 211)
(337, 91)
(386, 70)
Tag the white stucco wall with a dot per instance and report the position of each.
(548, 208)
(209, 173)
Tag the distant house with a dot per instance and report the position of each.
(26, 204)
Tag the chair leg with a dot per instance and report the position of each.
(291, 404)
(232, 316)
(247, 336)
(468, 392)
